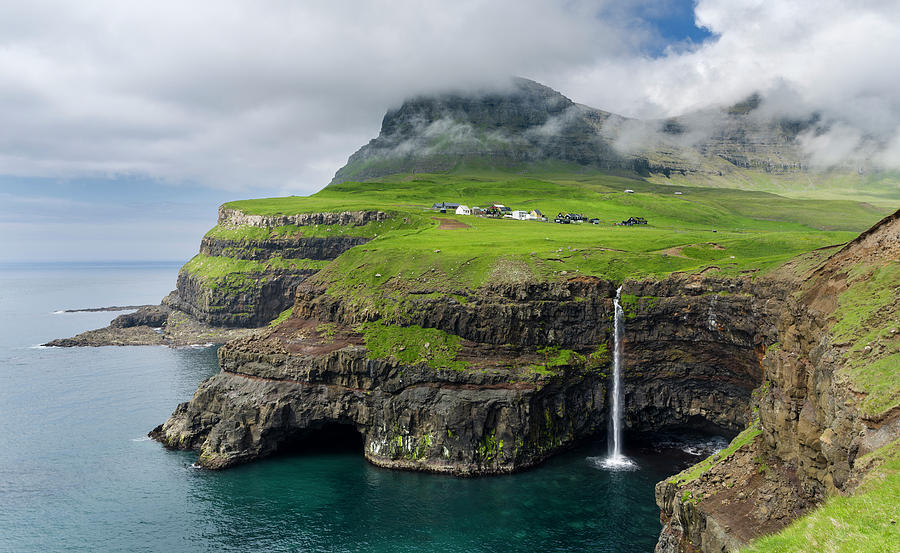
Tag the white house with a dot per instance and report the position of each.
(463, 210)
(629, 191)
(520, 215)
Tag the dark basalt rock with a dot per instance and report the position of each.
(152, 315)
(412, 417)
(286, 248)
(261, 298)
(682, 370)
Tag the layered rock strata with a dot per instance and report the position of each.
(504, 412)
(525, 122)
(810, 429)
(204, 309)
(252, 298)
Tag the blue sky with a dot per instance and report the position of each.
(126, 125)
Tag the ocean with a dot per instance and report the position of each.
(77, 472)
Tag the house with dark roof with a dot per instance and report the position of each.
(443, 207)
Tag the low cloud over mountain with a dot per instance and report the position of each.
(236, 94)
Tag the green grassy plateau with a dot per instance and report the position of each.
(735, 231)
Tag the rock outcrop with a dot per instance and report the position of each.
(813, 422)
(504, 412)
(251, 297)
(216, 308)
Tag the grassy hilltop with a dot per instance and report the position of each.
(734, 231)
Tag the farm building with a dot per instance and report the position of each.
(444, 206)
(520, 215)
(463, 210)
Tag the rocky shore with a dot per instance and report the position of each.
(153, 325)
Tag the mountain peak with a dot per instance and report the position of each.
(522, 121)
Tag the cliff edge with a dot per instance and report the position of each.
(827, 418)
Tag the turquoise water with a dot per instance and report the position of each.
(78, 474)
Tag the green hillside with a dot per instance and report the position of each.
(731, 231)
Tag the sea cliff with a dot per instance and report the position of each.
(826, 415)
(529, 378)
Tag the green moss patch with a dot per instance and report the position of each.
(216, 267)
(282, 317)
(413, 345)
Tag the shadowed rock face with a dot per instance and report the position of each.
(812, 430)
(499, 416)
(265, 295)
(411, 417)
(326, 248)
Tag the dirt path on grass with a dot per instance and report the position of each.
(450, 224)
(677, 250)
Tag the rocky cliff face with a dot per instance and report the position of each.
(815, 417)
(251, 295)
(256, 297)
(524, 122)
(504, 412)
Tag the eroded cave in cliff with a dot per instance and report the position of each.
(324, 437)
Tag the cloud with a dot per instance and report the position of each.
(236, 94)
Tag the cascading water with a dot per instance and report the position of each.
(615, 459)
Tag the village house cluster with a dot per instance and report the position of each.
(501, 211)
(495, 210)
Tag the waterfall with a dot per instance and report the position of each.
(615, 459)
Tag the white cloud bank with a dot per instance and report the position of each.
(277, 94)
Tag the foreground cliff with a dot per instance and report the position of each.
(828, 416)
(492, 384)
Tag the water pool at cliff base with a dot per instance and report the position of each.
(78, 474)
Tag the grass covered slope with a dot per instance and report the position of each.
(868, 320)
(865, 521)
(731, 231)
(832, 391)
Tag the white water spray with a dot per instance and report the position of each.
(615, 459)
